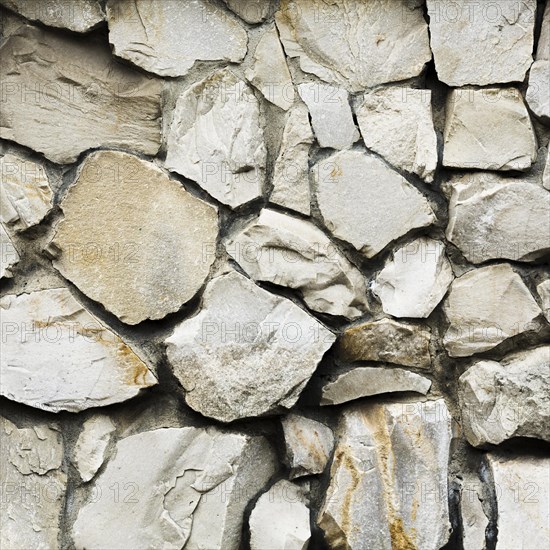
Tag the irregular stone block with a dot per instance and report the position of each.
(543, 290)
(9, 256)
(537, 95)
(474, 519)
(251, 11)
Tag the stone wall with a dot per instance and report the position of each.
(275, 274)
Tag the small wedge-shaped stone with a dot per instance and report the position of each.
(308, 444)
(356, 44)
(75, 15)
(247, 353)
(291, 171)
(331, 115)
(9, 256)
(481, 43)
(25, 194)
(280, 519)
(355, 192)
(474, 519)
(269, 72)
(396, 122)
(388, 341)
(251, 11)
(415, 280)
(522, 488)
(543, 290)
(179, 488)
(33, 486)
(388, 487)
(57, 356)
(291, 252)
(501, 400)
(546, 173)
(495, 217)
(485, 307)
(53, 82)
(155, 243)
(216, 139)
(167, 37)
(488, 129)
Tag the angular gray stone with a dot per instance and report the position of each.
(291, 252)
(247, 352)
(167, 37)
(251, 11)
(355, 192)
(216, 139)
(488, 129)
(543, 290)
(537, 95)
(546, 173)
(510, 398)
(474, 519)
(9, 256)
(154, 246)
(81, 87)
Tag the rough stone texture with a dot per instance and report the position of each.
(396, 122)
(308, 444)
(216, 139)
(495, 217)
(173, 493)
(539, 76)
(57, 356)
(33, 485)
(280, 519)
(481, 43)
(474, 519)
(25, 194)
(251, 11)
(388, 459)
(81, 87)
(291, 252)
(9, 256)
(153, 248)
(356, 44)
(488, 129)
(543, 290)
(75, 15)
(247, 353)
(523, 500)
(386, 340)
(331, 115)
(485, 307)
(546, 173)
(355, 192)
(167, 37)
(291, 170)
(499, 401)
(269, 72)
(415, 280)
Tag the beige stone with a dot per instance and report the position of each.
(251, 11)
(9, 256)
(543, 290)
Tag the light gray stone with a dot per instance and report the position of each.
(247, 352)
(355, 192)
(216, 139)
(251, 11)
(9, 256)
(290, 252)
(543, 290)
(537, 95)
(474, 519)
(546, 173)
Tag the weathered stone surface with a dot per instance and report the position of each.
(485, 307)
(153, 248)
(495, 217)
(331, 115)
(9, 256)
(356, 44)
(508, 399)
(269, 72)
(308, 443)
(415, 280)
(474, 519)
(481, 43)
(291, 252)
(388, 341)
(396, 122)
(189, 489)
(523, 501)
(537, 95)
(546, 173)
(291, 171)
(57, 356)
(167, 37)
(247, 352)
(488, 129)
(280, 519)
(388, 485)
(543, 290)
(355, 192)
(251, 11)
(367, 381)
(216, 139)
(33, 486)
(81, 87)
(75, 15)
(25, 194)
(543, 46)
(89, 451)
